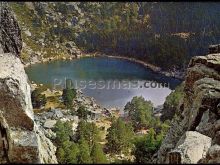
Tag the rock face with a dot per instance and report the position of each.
(199, 112)
(10, 34)
(24, 143)
(46, 148)
(16, 111)
(190, 149)
(20, 139)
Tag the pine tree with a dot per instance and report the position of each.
(84, 152)
(140, 112)
(119, 136)
(89, 132)
(97, 154)
(68, 96)
(73, 153)
(61, 155)
(82, 113)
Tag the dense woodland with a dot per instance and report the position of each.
(166, 34)
(85, 145)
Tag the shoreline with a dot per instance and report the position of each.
(46, 60)
(156, 69)
(152, 67)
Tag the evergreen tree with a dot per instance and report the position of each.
(140, 112)
(89, 132)
(68, 96)
(72, 153)
(84, 152)
(119, 136)
(97, 154)
(82, 112)
(38, 99)
(146, 146)
(68, 152)
(63, 132)
(61, 155)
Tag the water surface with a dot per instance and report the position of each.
(103, 69)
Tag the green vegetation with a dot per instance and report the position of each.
(146, 146)
(175, 96)
(172, 102)
(140, 112)
(68, 152)
(38, 99)
(63, 132)
(119, 136)
(123, 28)
(84, 154)
(83, 149)
(130, 29)
(97, 154)
(89, 132)
(82, 112)
(68, 96)
(122, 137)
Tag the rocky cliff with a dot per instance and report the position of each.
(194, 136)
(20, 139)
(10, 33)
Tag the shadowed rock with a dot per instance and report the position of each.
(199, 112)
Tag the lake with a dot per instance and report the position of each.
(111, 82)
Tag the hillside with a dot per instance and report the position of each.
(192, 135)
(164, 34)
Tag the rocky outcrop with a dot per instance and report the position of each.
(46, 147)
(10, 34)
(16, 111)
(212, 155)
(21, 141)
(191, 147)
(198, 112)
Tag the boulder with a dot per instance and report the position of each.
(57, 113)
(192, 147)
(49, 123)
(213, 155)
(198, 110)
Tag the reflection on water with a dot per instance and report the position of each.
(105, 69)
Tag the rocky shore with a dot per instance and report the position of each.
(175, 74)
(39, 59)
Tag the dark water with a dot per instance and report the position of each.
(106, 71)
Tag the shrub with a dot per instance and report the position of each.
(68, 96)
(38, 99)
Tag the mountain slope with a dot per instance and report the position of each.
(165, 34)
